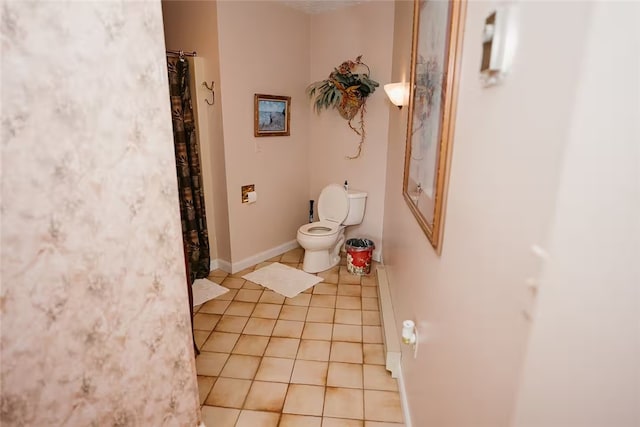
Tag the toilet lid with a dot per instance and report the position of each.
(333, 204)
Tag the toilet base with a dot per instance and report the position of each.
(316, 261)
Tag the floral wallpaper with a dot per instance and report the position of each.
(95, 327)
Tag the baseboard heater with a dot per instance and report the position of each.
(389, 330)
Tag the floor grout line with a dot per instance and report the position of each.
(346, 337)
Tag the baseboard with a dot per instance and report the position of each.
(403, 398)
(220, 264)
(377, 254)
(263, 256)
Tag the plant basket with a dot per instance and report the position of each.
(350, 104)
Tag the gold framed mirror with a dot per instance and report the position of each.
(435, 66)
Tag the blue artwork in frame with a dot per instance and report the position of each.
(271, 115)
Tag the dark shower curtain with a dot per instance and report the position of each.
(192, 211)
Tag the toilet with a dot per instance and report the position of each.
(322, 240)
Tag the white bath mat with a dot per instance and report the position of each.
(284, 280)
(205, 290)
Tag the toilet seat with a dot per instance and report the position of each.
(320, 228)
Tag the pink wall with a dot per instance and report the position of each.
(93, 305)
(337, 36)
(507, 151)
(582, 366)
(192, 25)
(264, 48)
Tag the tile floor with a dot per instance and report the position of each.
(315, 360)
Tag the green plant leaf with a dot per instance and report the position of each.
(325, 93)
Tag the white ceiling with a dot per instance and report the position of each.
(319, 6)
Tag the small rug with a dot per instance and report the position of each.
(205, 290)
(284, 280)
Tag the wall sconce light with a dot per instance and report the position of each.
(398, 93)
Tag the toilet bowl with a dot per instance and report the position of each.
(322, 240)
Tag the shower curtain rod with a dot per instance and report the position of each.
(181, 53)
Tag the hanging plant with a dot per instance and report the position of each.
(347, 91)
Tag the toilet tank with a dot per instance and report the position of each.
(357, 202)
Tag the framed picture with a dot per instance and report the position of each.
(435, 65)
(271, 115)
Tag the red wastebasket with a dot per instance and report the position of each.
(359, 253)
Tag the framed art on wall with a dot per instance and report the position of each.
(435, 65)
(271, 115)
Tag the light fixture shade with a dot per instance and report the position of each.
(398, 93)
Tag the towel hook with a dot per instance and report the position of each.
(213, 95)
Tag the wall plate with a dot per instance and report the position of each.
(245, 190)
